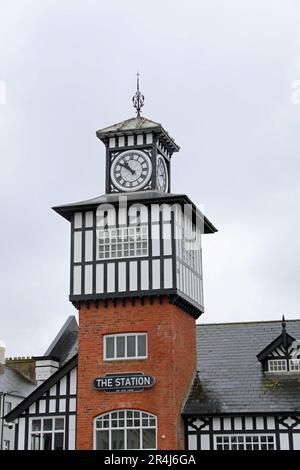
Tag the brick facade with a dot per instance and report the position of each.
(171, 360)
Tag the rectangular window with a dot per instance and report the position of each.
(47, 434)
(125, 346)
(277, 365)
(245, 442)
(295, 365)
(124, 242)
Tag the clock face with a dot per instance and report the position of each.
(162, 175)
(131, 170)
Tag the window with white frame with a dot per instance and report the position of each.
(127, 242)
(294, 365)
(125, 346)
(245, 442)
(277, 365)
(125, 429)
(47, 433)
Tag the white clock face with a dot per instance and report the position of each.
(131, 170)
(162, 175)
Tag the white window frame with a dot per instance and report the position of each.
(126, 358)
(127, 244)
(111, 428)
(42, 432)
(293, 363)
(274, 363)
(243, 442)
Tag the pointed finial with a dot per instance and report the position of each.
(283, 323)
(138, 98)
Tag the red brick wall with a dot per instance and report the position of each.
(171, 360)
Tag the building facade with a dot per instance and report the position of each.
(145, 376)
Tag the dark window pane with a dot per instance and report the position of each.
(59, 424)
(47, 425)
(35, 441)
(130, 346)
(142, 345)
(117, 439)
(102, 440)
(109, 348)
(120, 346)
(59, 441)
(133, 439)
(36, 424)
(47, 441)
(149, 438)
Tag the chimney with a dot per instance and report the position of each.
(2, 357)
(45, 366)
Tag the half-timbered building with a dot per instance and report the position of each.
(145, 376)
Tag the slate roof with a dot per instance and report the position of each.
(64, 346)
(232, 380)
(137, 125)
(13, 381)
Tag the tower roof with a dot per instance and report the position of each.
(137, 125)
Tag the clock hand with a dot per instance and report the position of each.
(127, 167)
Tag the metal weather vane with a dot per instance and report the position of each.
(138, 98)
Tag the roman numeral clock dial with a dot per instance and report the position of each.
(131, 170)
(162, 175)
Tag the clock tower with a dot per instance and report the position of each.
(136, 279)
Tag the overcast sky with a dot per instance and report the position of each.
(218, 75)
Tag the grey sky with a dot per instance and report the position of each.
(217, 75)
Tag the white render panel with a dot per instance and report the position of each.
(149, 138)
(140, 139)
(130, 140)
(89, 219)
(53, 390)
(72, 404)
(259, 423)
(77, 247)
(237, 423)
(205, 442)
(166, 212)
(99, 278)
(88, 245)
(77, 280)
(133, 210)
(156, 274)
(145, 275)
(133, 275)
(122, 215)
(270, 422)
(42, 406)
(110, 277)
(112, 142)
(122, 277)
(52, 405)
(72, 432)
(296, 440)
(21, 440)
(62, 405)
(155, 212)
(88, 280)
(121, 141)
(192, 445)
(155, 240)
(167, 239)
(168, 273)
(32, 408)
(216, 424)
(63, 386)
(249, 423)
(227, 424)
(78, 220)
(284, 441)
(73, 381)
